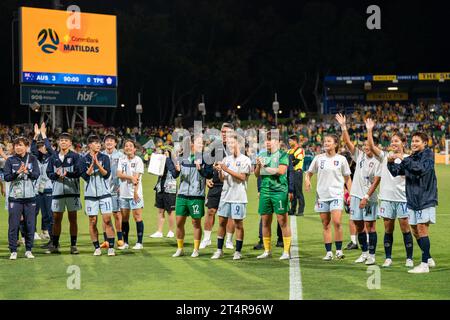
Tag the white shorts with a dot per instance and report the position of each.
(393, 210)
(369, 213)
(328, 206)
(115, 200)
(237, 211)
(70, 203)
(93, 207)
(424, 216)
(131, 204)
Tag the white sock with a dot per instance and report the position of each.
(207, 235)
(229, 237)
(353, 238)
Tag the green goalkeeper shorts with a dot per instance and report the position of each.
(275, 202)
(190, 207)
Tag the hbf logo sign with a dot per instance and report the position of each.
(48, 40)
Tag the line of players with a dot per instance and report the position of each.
(113, 187)
(408, 192)
(411, 200)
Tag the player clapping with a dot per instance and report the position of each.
(95, 170)
(392, 196)
(233, 171)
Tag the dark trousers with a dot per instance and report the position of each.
(298, 193)
(44, 203)
(16, 210)
(279, 232)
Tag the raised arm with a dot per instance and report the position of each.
(345, 136)
(370, 124)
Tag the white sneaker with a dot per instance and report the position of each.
(339, 255)
(44, 235)
(170, 234)
(265, 255)
(194, 254)
(98, 252)
(229, 245)
(124, 246)
(328, 256)
(421, 268)
(111, 252)
(13, 256)
(36, 236)
(157, 234)
(387, 263)
(29, 255)
(409, 263)
(205, 243)
(285, 256)
(237, 256)
(362, 258)
(218, 254)
(178, 253)
(138, 246)
(370, 260)
(431, 263)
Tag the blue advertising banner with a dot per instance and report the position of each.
(68, 96)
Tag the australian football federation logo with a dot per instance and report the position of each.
(48, 40)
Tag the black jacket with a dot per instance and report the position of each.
(421, 183)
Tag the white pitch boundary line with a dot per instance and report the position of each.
(295, 277)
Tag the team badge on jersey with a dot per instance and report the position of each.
(336, 163)
(371, 165)
(69, 161)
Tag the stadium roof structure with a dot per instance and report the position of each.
(343, 92)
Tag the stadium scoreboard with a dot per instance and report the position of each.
(56, 52)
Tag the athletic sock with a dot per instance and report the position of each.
(140, 231)
(267, 243)
(372, 242)
(229, 237)
(287, 244)
(96, 244)
(362, 238)
(180, 243)
(125, 230)
(388, 240)
(73, 241)
(119, 235)
(207, 235)
(425, 246)
(196, 244)
(353, 238)
(409, 247)
(328, 247)
(105, 237)
(239, 244)
(219, 243)
(55, 240)
(111, 242)
(338, 245)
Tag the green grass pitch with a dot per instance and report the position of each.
(153, 274)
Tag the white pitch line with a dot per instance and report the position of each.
(295, 277)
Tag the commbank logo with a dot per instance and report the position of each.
(48, 40)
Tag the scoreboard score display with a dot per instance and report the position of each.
(55, 50)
